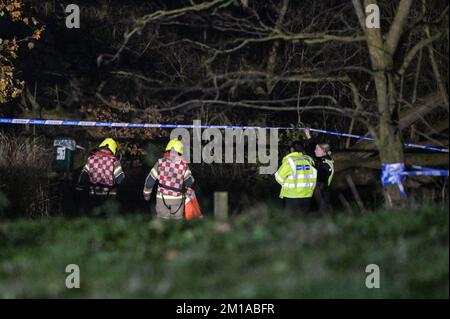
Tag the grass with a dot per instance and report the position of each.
(260, 254)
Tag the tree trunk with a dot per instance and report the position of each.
(389, 140)
(381, 52)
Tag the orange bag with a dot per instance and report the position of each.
(191, 206)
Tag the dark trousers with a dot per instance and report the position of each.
(90, 203)
(322, 198)
(297, 205)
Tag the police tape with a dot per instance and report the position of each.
(192, 126)
(395, 173)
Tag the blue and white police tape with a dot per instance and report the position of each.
(395, 173)
(188, 126)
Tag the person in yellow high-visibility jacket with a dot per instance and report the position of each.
(297, 177)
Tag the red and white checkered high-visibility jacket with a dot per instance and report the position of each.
(173, 175)
(104, 171)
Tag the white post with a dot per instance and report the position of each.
(221, 205)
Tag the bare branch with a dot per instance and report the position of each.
(397, 27)
(359, 13)
(342, 110)
(169, 14)
(410, 56)
(437, 74)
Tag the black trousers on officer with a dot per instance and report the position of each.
(297, 205)
(322, 198)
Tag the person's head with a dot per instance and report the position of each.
(109, 144)
(322, 150)
(175, 145)
(296, 146)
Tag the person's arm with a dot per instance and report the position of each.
(83, 180)
(119, 175)
(283, 172)
(188, 178)
(150, 182)
(310, 143)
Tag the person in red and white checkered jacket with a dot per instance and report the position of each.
(102, 171)
(173, 176)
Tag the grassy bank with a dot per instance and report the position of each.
(256, 255)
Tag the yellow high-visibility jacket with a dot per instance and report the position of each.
(297, 176)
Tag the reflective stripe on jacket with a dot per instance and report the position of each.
(330, 163)
(297, 176)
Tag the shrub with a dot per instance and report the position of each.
(24, 166)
